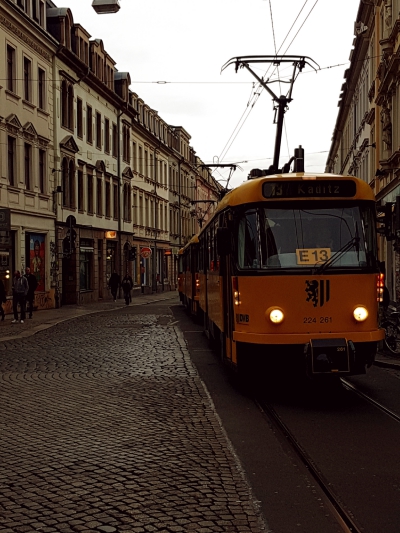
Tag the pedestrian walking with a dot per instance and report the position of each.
(114, 282)
(20, 290)
(3, 299)
(127, 284)
(30, 297)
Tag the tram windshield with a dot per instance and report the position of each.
(331, 236)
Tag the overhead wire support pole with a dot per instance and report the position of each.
(282, 101)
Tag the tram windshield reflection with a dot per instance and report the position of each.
(288, 237)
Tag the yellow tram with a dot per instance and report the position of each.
(286, 272)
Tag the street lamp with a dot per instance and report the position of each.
(106, 6)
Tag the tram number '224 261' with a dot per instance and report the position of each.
(319, 320)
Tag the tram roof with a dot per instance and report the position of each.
(251, 191)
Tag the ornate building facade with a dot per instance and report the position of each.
(366, 138)
(93, 179)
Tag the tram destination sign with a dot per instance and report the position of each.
(309, 189)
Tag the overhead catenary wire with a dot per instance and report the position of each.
(238, 129)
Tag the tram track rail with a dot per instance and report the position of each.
(381, 407)
(333, 502)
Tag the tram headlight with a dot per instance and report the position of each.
(360, 313)
(276, 316)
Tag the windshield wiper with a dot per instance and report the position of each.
(355, 241)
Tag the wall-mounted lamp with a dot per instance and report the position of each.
(373, 145)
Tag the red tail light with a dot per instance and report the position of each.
(235, 289)
(380, 284)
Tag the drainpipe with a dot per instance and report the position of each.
(55, 280)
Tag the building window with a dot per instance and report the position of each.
(90, 193)
(134, 156)
(27, 79)
(42, 170)
(126, 212)
(99, 196)
(41, 14)
(11, 160)
(68, 183)
(106, 136)
(89, 124)
(140, 160)
(65, 182)
(115, 199)
(11, 67)
(41, 88)
(108, 199)
(125, 143)
(98, 130)
(35, 11)
(28, 166)
(79, 118)
(67, 105)
(114, 141)
(71, 179)
(80, 190)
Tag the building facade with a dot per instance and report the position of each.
(366, 138)
(93, 180)
(26, 145)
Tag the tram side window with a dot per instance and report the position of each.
(201, 255)
(248, 241)
(214, 264)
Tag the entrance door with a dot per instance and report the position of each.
(69, 281)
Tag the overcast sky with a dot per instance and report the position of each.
(185, 43)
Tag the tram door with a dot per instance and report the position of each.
(227, 299)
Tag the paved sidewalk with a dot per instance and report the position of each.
(106, 427)
(388, 361)
(46, 319)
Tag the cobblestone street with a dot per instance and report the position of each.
(105, 426)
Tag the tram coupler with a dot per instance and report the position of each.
(329, 356)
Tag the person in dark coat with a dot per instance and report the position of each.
(114, 282)
(30, 297)
(3, 299)
(20, 290)
(127, 284)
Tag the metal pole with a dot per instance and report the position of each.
(282, 103)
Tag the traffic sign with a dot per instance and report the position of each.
(145, 252)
